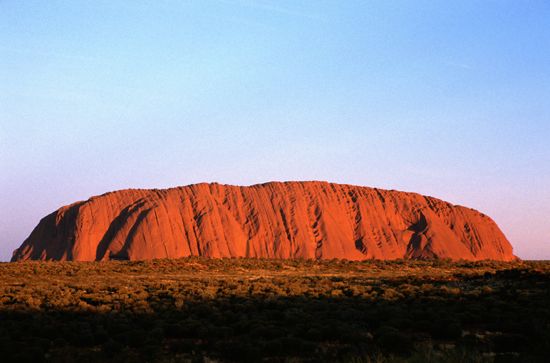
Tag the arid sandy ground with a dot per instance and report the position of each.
(198, 309)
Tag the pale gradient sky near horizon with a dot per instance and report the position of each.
(445, 98)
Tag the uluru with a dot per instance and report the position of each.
(311, 220)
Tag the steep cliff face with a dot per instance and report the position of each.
(275, 220)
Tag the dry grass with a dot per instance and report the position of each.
(198, 309)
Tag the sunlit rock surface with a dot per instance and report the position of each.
(274, 220)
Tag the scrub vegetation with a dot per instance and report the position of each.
(225, 310)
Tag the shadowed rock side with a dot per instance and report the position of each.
(273, 220)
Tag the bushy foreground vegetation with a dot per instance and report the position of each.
(200, 310)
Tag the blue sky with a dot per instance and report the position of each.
(445, 98)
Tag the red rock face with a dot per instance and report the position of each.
(273, 220)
